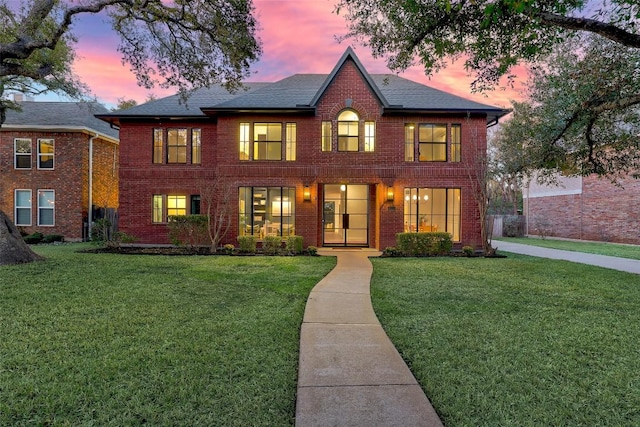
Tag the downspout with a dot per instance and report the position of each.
(90, 210)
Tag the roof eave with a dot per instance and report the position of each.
(287, 110)
(492, 114)
(54, 128)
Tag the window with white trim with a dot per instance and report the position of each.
(45, 153)
(46, 207)
(22, 153)
(22, 215)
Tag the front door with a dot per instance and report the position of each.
(345, 217)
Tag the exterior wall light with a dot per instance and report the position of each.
(389, 194)
(306, 193)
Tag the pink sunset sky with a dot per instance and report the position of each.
(298, 36)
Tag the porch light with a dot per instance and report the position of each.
(306, 193)
(389, 194)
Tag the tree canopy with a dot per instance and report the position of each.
(581, 116)
(490, 35)
(184, 43)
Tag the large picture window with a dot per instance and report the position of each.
(23, 207)
(348, 122)
(432, 141)
(22, 153)
(267, 211)
(45, 153)
(46, 207)
(432, 209)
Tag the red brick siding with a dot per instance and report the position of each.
(603, 212)
(68, 179)
(140, 179)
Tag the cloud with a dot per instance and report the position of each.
(297, 37)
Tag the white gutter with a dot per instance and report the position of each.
(90, 210)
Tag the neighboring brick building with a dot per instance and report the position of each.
(56, 161)
(345, 159)
(585, 208)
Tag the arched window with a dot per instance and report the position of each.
(348, 122)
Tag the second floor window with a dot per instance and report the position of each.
(177, 146)
(348, 122)
(22, 153)
(326, 136)
(432, 140)
(268, 141)
(45, 153)
(455, 143)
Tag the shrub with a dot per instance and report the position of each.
(424, 244)
(247, 244)
(34, 238)
(228, 248)
(513, 226)
(189, 230)
(294, 245)
(468, 250)
(101, 231)
(53, 238)
(391, 251)
(271, 245)
(312, 250)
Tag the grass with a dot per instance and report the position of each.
(519, 341)
(600, 248)
(104, 339)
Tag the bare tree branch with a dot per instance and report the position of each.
(610, 31)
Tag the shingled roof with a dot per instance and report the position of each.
(60, 116)
(300, 93)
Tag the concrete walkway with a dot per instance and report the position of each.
(350, 374)
(614, 263)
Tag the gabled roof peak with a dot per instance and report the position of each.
(349, 54)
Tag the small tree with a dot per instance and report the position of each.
(480, 173)
(216, 195)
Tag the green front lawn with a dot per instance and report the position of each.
(103, 339)
(520, 341)
(599, 248)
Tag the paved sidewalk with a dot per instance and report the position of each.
(614, 263)
(350, 373)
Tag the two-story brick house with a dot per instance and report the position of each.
(57, 161)
(344, 159)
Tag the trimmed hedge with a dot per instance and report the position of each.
(247, 244)
(424, 244)
(294, 245)
(271, 245)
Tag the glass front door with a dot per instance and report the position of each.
(345, 216)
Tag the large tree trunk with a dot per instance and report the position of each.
(13, 249)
